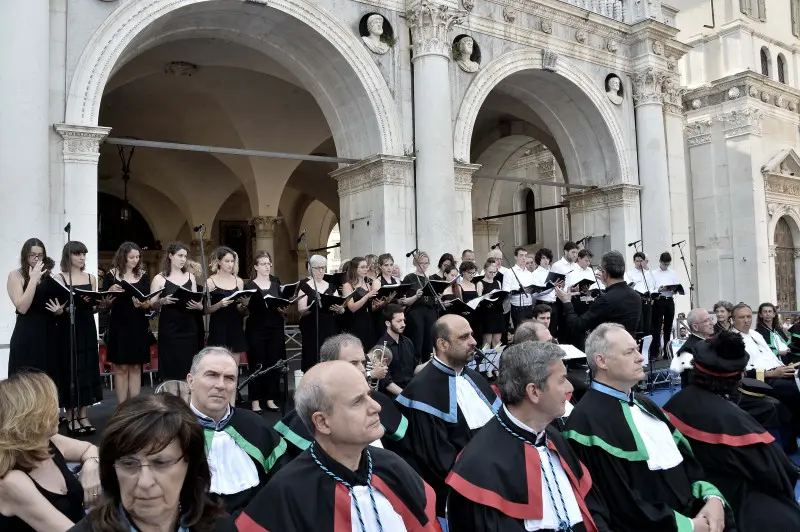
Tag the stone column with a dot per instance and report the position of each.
(265, 234)
(430, 24)
(81, 154)
(485, 234)
(463, 206)
(24, 161)
(651, 147)
(376, 206)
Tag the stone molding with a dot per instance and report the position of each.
(430, 24)
(463, 176)
(783, 185)
(648, 86)
(771, 251)
(82, 143)
(743, 85)
(547, 169)
(374, 171)
(265, 226)
(673, 96)
(486, 227)
(740, 122)
(623, 195)
(698, 133)
(549, 59)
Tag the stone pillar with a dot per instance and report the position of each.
(463, 206)
(24, 149)
(376, 206)
(194, 253)
(651, 148)
(81, 154)
(265, 234)
(485, 235)
(609, 213)
(430, 24)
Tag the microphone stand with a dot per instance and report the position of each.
(201, 230)
(280, 365)
(436, 298)
(74, 388)
(302, 240)
(685, 267)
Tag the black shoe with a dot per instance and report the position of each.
(87, 429)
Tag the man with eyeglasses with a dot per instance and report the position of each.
(243, 451)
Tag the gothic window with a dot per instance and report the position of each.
(781, 69)
(530, 217)
(764, 61)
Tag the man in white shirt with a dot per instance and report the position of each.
(521, 303)
(643, 284)
(663, 306)
(566, 263)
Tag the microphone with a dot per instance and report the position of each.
(68, 227)
(678, 243)
(411, 252)
(580, 241)
(634, 243)
(197, 228)
(302, 236)
(497, 245)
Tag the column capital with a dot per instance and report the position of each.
(265, 225)
(195, 244)
(430, 24)
(741, 122)
(373, 171)
(698, 132)
(648, 86)
(621, 195)
(673, 96)
(81, 143)
(463, 175)
(486, 227)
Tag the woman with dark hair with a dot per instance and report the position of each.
(226, 321)
(491, 317)
(265, 335)
(361, 322)
(177, 327)
(446, 262)
(128, 338)
(88, 388)
(454, 290)
(32, 342)
(768, 325)
(154, 472)
(723, 310)
(385, 265)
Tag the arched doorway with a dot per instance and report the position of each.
(785, 272)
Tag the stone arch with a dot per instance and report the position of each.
(618, 168)
(380, 131)
(777, 211)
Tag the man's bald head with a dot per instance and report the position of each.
(313, 394)
(532, 331)
(452, 339)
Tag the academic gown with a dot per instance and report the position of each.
(303, 498)
(439, 430)
(740, 458)
(261, 443)
(497, 482)
(394, 424)
(603, 435)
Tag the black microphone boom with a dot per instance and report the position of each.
(411, 252)
(495, 246)
(197, 228)
(68, 227)
(633, 243)
(302, 236)
(678, 243)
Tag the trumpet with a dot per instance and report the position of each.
(378, 356)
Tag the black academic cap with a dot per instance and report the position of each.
(722, 356)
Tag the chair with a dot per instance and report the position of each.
(152, 366)
(106, 369)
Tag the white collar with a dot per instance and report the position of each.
(523, 426)
(202, 415)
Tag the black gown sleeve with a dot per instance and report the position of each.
(463, 515)
(596, 314)
(431, 444)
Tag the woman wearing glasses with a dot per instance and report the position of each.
(310, 317)
(33, 340)
(421, 313)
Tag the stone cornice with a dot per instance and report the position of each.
(373, 171)
(743, 85)
(603, 198)
(463, 175)
(777, 186)
(81, 143)
(654, 31)
(569, 15)
(486, 227)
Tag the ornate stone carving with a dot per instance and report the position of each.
(658, 48)
(789, 186)
(673, 96)
(784, 168)
(180, 68)
(791, 105)
(771, 251)
(509, 15)
(486, 227)
(614, 90)
(752, 92)
(796, 253)
(463, 176)
(778, 101)
(672, 64)
(264, 226)
(549, 59)
(374, 171)
(603, 198)
(698, 132)
(733, 93)
(647, 86)
(546, 26)
(82, 143)
(696, 104)
(465, 56)
(547, 169)
(741, 122)
(468, 4)
(580, 36)
(612, 46)
(373, 39)
(772, 208)
(430, 24)
(765, 96)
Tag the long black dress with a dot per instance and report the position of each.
(361, 323)
(177, 336)
(492, 319)
(378, 323)
(266, 341)
(35, 338)
(128, 340)
(88, 385)
(226, 325)
(308, 326)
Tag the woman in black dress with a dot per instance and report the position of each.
(386, 267)
(88, 388)
(421, 308)
(177, 327)
(361, 324)
(491, 317)
(446, 262)
(265, 335)
(128, 338)
(226, 321)
(310, 314)
(33, 340)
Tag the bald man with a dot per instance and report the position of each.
(446, 404)
(340, 482)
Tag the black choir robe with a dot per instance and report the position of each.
(394, 424)
(303, 498)
(264, 447)
(740, 458)
(602, 434)
(438, 428)
(496, 483)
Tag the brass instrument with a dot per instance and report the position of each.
(377, 356)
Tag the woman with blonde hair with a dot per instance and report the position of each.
(37, 490)
(226, 317)
(421, 313)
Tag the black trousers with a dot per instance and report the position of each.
(643, 328)
(661, 324)
(520, 314)
(419, 322)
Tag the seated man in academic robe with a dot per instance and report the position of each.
(518, 473)
(243, 451)
(446, 403)
(347, 348)
(341, 482)
(737, 454)
(642, 465)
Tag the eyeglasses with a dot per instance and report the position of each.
(318, 268)
(35, 255)
(131, 467)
